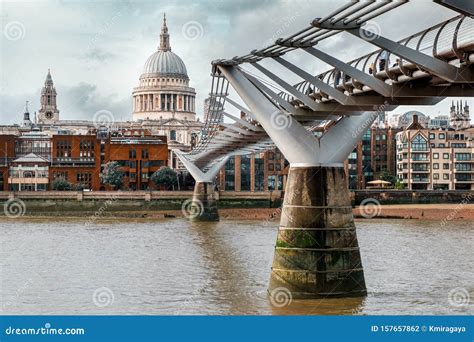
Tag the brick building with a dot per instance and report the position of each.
(374, 154)
(33, 160)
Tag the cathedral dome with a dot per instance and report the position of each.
(165, 63)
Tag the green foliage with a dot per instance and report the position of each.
(399, 185)
(385, 176)
(165, 177)
(112, 175)
(61, 184)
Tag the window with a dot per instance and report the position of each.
(432, 136)
(445, 166)
(145, 153)
(435, 175)
(271, 156)
(245, 173)
(229, 176)
(419, 144)
(435, 155)
(436, 166)
(259, 173)
(445, 155)
(271, 167)
(132, 153)
(278, 167)
(173, 135)
(441, 145)
(445, 176)
(441, 136)
(462, 156)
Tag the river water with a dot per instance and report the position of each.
(174, 267)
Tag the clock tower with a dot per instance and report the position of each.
(48, 113)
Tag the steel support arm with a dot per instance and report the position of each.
(374, 83)
(336, 94)
(433, 65)
(198, 175)
(299, 145)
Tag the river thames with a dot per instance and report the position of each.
(174, 267)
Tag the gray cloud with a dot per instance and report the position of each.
(97, 49)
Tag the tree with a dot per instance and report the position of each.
(385, 176)
(61, 184)
(399, 185)
(112, 175)
(165, 177)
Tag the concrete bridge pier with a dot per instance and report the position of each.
(204, 203)
(203, 206)
(316, 252)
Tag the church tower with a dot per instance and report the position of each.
(48, 113)
(459, 117)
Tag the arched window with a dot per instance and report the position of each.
(419, 143)
(173, 135)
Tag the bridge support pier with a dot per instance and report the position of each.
(204, 203)
(317, 253)
(203, 206)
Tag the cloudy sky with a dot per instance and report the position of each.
(96, 49)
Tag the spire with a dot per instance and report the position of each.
(49, 79)
(164, 37)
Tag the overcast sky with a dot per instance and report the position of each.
(96, 49)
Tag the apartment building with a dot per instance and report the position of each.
(435, 159)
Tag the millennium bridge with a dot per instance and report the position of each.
(317, 122)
